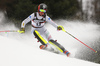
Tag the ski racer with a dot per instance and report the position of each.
(38, 20)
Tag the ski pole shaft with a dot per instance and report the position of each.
(9, 31)
(13, 31)
(79, 40)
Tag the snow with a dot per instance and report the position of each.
(22, 49)
(15, 53)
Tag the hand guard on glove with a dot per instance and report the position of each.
(22, 30)
(60, 28)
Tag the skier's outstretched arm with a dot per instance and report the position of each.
(49, 20)
(59, 27)
(24, 22)
(28, 19)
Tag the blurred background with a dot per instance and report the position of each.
(63, 9)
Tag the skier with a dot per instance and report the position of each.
(38, 20)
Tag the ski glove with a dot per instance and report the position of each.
(60, 27)
(22, 30)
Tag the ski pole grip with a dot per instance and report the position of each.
(62, 28)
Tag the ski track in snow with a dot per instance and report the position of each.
(15, 53)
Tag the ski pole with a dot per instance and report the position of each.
(78, 40)
(9, 31)
(13, 31)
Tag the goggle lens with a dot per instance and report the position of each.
(41, 10)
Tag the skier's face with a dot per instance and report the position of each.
(41, 13)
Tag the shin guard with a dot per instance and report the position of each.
(40, 38)
(57, 45)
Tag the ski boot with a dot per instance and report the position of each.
(67, 53)
(43, 46)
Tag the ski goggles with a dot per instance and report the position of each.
(41, 10)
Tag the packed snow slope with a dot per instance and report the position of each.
(23, 49)
(15, 53)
